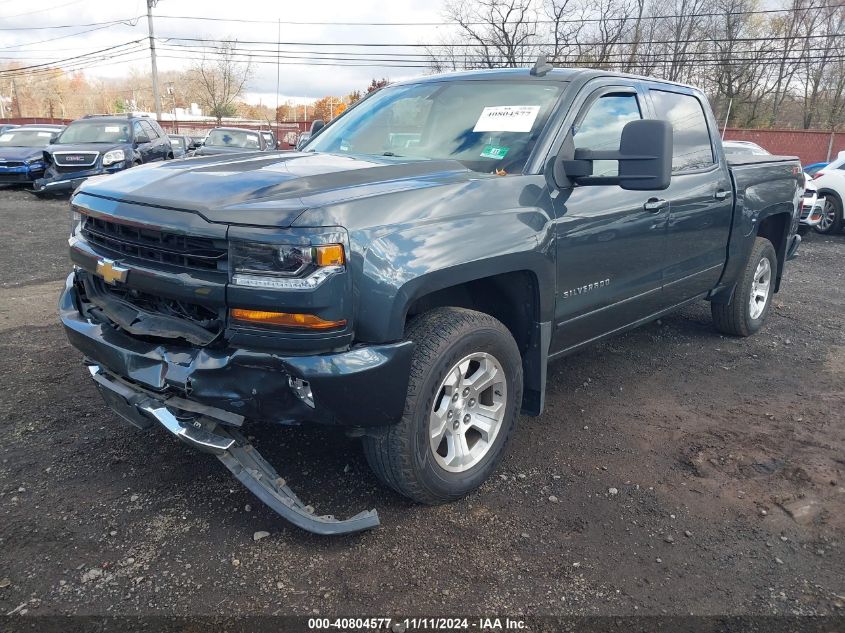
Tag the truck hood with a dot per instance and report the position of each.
(20, 153)
(214, 150)
(269, 189)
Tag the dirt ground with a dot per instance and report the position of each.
(675, 471)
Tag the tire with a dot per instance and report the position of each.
(831, 216)
(402, 455)
(737, 318)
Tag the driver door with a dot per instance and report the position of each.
(609, 242)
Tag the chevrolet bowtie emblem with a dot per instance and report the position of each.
(111, 272)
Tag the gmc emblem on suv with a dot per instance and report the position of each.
(74, 158)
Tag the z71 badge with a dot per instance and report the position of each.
(574, 292)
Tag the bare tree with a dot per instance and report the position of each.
(220, 81)
(821, 75)
(497, 32)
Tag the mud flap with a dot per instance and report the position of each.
(262, 480)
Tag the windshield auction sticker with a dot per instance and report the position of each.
(507, 119)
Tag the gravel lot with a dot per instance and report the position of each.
(674, 471)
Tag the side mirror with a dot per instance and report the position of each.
(644, 156)
(317, 125)
(140, 138)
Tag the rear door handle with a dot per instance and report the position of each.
(655, 204)
(721, 194)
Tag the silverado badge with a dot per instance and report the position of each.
(111, 272)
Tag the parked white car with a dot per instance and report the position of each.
(812, 206)
(830, 183)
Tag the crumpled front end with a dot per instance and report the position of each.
(152, 305)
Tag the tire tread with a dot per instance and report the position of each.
(390, 452)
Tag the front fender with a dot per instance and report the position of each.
(400, 267)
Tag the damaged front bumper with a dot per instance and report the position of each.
(203, 396)
(201, 429)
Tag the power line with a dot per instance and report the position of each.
(61, 37)
(127, 21)
(69, 59)
(18, 15)
(472, 46)
(544, 21)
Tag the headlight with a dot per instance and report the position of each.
(285, 266)
(113, 156)
(75, 221)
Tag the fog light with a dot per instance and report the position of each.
(302, 389)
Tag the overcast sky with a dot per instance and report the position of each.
(25, 28)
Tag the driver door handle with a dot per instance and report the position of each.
(721, 194)
(654, 205)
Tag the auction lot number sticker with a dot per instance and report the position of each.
(518, 118)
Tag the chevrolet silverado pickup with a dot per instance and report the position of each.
(409, 275)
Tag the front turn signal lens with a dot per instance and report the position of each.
(330, 255)
(285, 319)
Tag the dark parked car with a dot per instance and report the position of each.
(181, 145)
(411, 275)
(101, 144)
(232, 140)
(22, 153)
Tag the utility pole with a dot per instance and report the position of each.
(156, 97)
(278, 51)
(16, 100)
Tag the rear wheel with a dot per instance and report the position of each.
(463, 398)
(752, 298)
(831, 221)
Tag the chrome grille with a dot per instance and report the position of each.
(157, 246)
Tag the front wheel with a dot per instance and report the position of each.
(464, 394)
(752, 298)
(831, 221)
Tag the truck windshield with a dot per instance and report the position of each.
(95, 132)
(486, 125)
(232, 138)
(25, 138)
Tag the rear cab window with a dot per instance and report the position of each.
(692, 147)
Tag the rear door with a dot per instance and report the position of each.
(700, 195)
(143, 142)
(160, 144)
(609, 242)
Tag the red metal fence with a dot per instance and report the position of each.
(811, 146)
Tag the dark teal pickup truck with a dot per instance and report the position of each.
(410, 274)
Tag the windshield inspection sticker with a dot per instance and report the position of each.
(491, 151)
(507, 119)
(45, 134)
(111, 129)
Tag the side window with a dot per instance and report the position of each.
(149, 129)
(140, 134)
(601, 128)
(691, 139)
